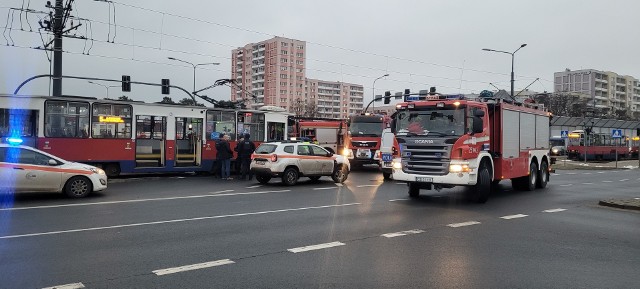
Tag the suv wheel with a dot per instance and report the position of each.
(263, 179)
(340, 174)
(290, 176)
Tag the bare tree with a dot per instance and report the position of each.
(564, 104)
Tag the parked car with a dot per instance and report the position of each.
(292, 160)
(558, 151)
(26, 169)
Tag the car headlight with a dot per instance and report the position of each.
(555, 151)
(97, 171)
(459, 168)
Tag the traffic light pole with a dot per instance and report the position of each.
(58, 29)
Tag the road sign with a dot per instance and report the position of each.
(564, 133)
(616, 133)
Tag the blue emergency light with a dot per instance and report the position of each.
(14, 141)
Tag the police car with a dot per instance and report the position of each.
(25, 169)
(292, 160)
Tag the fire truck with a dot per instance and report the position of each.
(326, 132)
(446, 141)
(362, 144)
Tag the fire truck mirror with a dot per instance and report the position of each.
(393, 125)
(478, 113)
(477, 124)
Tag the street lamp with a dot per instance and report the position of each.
(194, 68)
(512, 58)
(373, 90)
(105, 86)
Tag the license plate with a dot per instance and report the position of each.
(260, 162)
(386, 164)
(362, 153)
(424, 179)
(387, 157)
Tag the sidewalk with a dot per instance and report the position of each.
(564, 164)
(629, 204)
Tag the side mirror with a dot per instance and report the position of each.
(478, 113)
(53, 162)
(478, 124)
(329, 154)
(393, 125)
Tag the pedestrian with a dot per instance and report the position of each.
(224, 155)
(245, 148)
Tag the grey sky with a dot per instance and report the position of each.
(403, 38)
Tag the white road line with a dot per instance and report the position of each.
(192, 267)
(636, 198)
(555, 174)
(364, 186)
(173, 221)
(401, 183)
(456, 225)
(403, 233)
(624, 180)
(212, 194)
(253, 187)
(67, 286)
(339, 185)
(513, 216)
(566, 185)
(396, 200)
(571, 173)
(315, 247)
(328, 188)
(587, 183)
(554, 210)
(586, 173)
(601, 172)
(607, 181)
(181, 177)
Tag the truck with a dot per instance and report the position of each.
(329, 133)
(446, 141)
(362, 143)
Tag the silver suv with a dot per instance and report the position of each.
(292, 160)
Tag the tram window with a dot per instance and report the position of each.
(219, 122)
(111, 121)
(275, 131)
(254, 125)
(66, 119)
(17, 122)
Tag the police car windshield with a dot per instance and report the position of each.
(365, 128)
(433, 122)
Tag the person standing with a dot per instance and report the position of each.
(224, 155)
(245, 148)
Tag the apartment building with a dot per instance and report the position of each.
(608, 89)
(274, 71)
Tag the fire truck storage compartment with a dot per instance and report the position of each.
(522, 131)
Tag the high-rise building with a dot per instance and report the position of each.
(274, 72)
(608, 89)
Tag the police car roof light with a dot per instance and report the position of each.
(14, 141)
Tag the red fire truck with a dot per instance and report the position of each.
(326, 132)
(362, 144)
(446, 141)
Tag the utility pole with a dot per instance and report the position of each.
(58, 28)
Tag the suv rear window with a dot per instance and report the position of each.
(266, 149)
(288, 149)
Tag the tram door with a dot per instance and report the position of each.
(150, 141)
(188, 141)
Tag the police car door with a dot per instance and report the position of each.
(307, 162)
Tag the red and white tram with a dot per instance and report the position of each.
(133, 137)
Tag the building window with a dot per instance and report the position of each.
(300, 47)
(66, 119)
(284, 52)
(284, 44)
(299, 54)
(111, 121)
(283, 76)
(283, 60)
(299, 62)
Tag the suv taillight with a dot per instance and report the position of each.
(274, 158)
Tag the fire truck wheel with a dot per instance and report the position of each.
(340, 174)
(290, 176)
(263, 179)
(387, 176)
(480, 193)
(532, 179)
(414, 190)
(314, 178)
(543, 176)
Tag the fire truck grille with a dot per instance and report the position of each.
(426, 159)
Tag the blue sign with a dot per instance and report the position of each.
(387, 157)
(564, 134)
(616, 133)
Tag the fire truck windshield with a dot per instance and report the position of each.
(433, 122)
(366, 129)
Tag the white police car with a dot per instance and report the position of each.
(292, 160)
(25, 169)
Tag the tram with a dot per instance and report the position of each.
(598, 146)
(133, 137)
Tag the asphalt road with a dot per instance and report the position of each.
(199, 232)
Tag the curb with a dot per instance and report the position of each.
(621, 204)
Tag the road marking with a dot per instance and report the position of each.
(571, 173)
(67, 286)
(624, 180)
(395, 200)
(403, 233)
(600, 172)
(315, 247)
(554, 210)
(555, 174)
(401, 183)
(328, 188)
(469, 223)
(566, 185)
(192, 267)
(181, 177)
(363, 186)
(253, 187)
(212, 194)
(587, 183)
(636, 198)
(607, 181)
(513, 216)
(586, 173)
(174, 221)
(339, 185)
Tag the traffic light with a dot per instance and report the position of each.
(165, 86)
(387, 97)
(126, 83)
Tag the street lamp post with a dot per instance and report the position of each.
(105, 86)
(512, 60)
(194, 68)
(373, 90)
